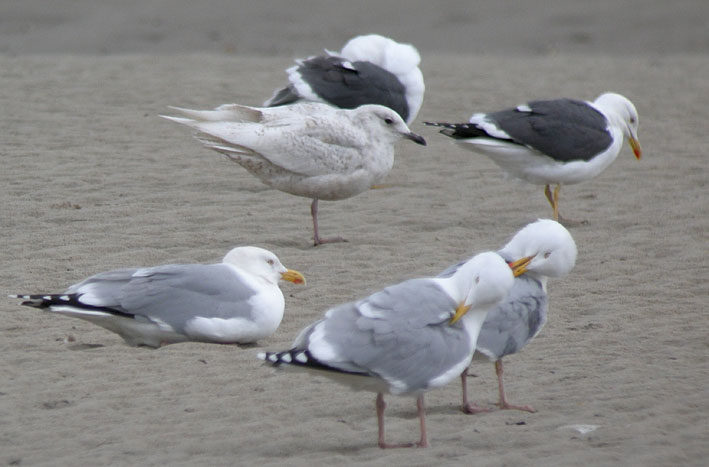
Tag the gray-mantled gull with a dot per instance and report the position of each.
(560, 141)
(513, 323)
(405, 339)
(308, 149)
(235, 301)
(370, 69)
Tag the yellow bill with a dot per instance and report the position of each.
(293, 276)
(460, 312)
(519, 267)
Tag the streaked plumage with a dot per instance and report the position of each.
(308, 149)
(235, 301)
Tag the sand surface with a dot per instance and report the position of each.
(92, 180)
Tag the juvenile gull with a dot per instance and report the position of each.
(370, 69)
(309, 149)
(405, 339)
(235, 301)
(560, 141)
(513, 323)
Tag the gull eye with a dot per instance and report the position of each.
(477, 279)
(632, 120)
(271, 262)
(388, 121)
(547, 254)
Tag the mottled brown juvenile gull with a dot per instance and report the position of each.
(309, 149)
(236, 301)
(405, 339)
(370, 69)
(560, 141)
(519, 318)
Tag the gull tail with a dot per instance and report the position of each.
(44, 301)
(459, 130)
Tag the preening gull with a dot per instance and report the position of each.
(513, 323)
(560, 141)
(309, 149)
(370, 69)
(405, 339)
(235, 301)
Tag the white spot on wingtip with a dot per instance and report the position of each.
(261, 355)
(47, 297)
(286, 358)
(524, 108)
(273, 358)
(302, 358)
(64, 297)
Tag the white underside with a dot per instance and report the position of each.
(534, 167)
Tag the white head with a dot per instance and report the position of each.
(262, 263)
(488, 278)
(380, 117)
(551, 245)
(622, 113)
(399, 59)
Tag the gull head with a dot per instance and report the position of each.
(487, 278)
(386, 121)
(262, 263)
(622, 113)
(547, 244)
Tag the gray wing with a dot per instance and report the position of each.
(173, 294)
(348, 84)
(401, 334)
(516, 321)
(563, 129)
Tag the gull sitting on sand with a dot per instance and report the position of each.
(405, 339)
(519, 318)
(236, 301)
(370, 69)
(560, 141)
(309, 149)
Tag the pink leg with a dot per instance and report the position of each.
(469, 408)
(504, 405)
(381, 405)
(423, 442)
(316, 235)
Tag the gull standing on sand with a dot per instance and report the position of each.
(370, 69)
(309, 149)
(405, 339)
(518, 319)
(236, 301)
(560, 141)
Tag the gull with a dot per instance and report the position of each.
(308, 149)
(545, 142)
(236, 301)
(370, 69)
(405, 339)
(519, 318)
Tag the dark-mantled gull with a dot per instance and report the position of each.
(308, 149)
(560, 141)
(405, 339)
(236, 301)
(370, 69)
(519, 318)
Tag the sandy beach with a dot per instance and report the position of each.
(92, 179)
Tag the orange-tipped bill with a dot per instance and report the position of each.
(519, 267)
(293, 276)
(635, 144)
